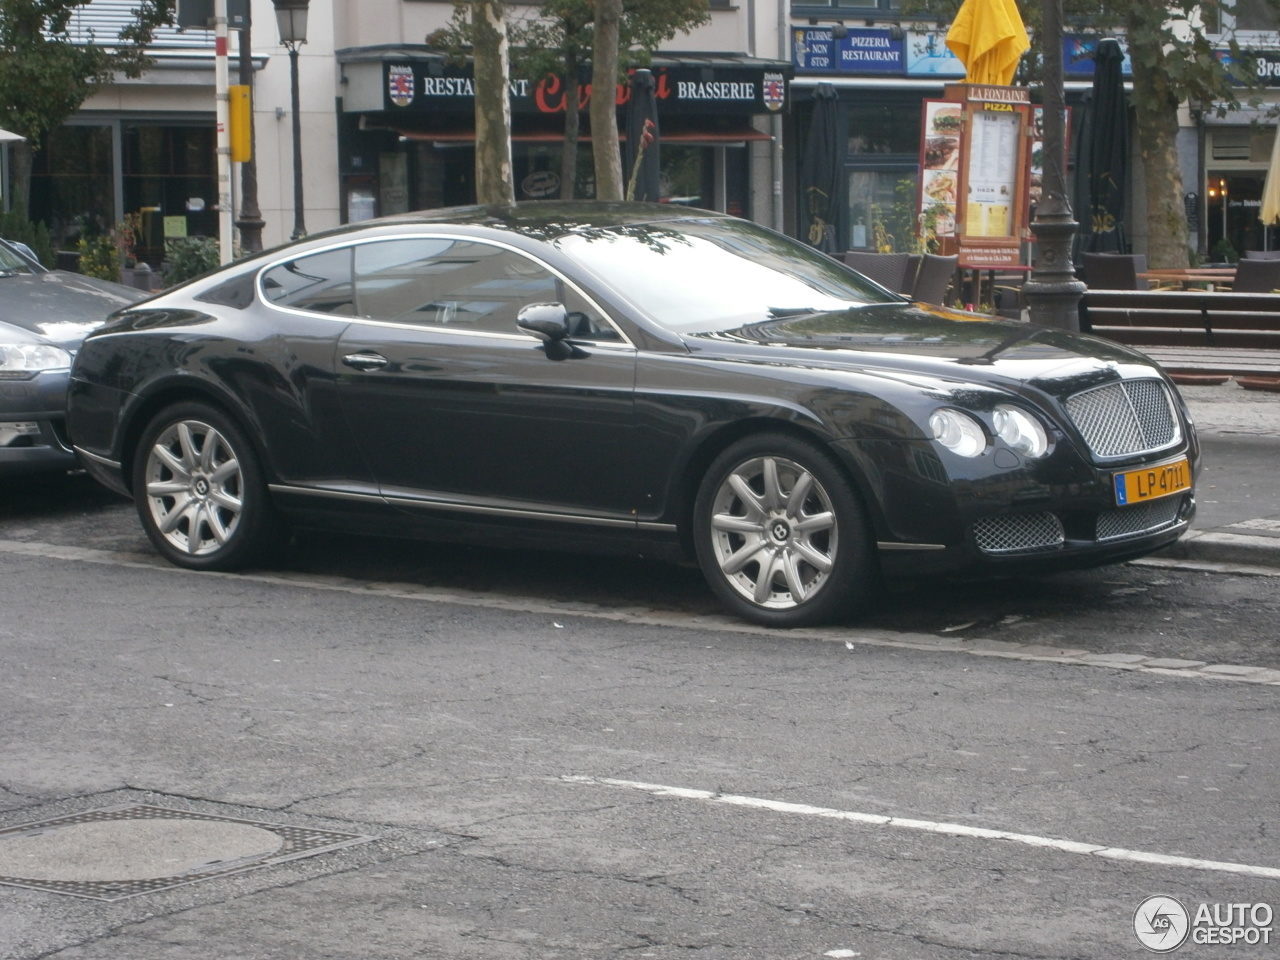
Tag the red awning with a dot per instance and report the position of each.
(739, 134)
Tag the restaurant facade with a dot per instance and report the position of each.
(407, 129)
(388, 123)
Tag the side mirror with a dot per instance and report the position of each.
(548, 322)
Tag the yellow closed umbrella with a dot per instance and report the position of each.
(989, 38)
(1269, 213)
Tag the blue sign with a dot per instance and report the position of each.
(929, 56)
(1077, 56)
(815, 50)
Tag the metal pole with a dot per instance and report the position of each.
(222, 83)
(1053, 292)
(250, 221)
(299, 226)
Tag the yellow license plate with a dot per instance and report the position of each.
(1152, 483)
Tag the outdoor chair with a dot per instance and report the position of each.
(1114, 271)
(934, 279)
(1256, 276)
(1262, 254)
(887, 269)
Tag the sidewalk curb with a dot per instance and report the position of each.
(1217, 547)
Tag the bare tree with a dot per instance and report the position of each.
(494, 177)
(604, 105)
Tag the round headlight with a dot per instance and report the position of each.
(958, 432)
(32, 357)
(1020, 430)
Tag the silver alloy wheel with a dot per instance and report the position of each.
(774, 532)
(194, 487)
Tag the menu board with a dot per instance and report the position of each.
(993, 173)
(975, 173)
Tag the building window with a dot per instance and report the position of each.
(1236, 15)
(817, 8)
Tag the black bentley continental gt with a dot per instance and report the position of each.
(630, 378)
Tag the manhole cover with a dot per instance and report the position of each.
(120, 852)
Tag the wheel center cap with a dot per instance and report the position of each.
(201, 487)
(780, 531)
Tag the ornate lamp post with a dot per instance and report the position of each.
(1053, 292)
(291, 17)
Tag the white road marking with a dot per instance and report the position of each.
(853, 638)
(932, 826)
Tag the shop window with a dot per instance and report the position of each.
(71, 183)
(169, 176)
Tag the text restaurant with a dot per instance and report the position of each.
(407, 130)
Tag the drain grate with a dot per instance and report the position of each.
(118, 852)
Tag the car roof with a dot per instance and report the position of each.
(538, 219)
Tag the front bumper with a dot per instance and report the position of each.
(1028, 518)
(33, 434)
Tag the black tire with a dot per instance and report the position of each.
(200, 491)
(775, 517)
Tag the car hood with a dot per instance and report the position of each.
(915, 339)
(61, 307)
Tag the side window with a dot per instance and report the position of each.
(455, 283)
(320, 282)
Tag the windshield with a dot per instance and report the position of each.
(11, 262)
(696, 276)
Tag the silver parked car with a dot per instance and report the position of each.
(44, 316)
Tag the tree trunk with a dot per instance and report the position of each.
(572, 127)
(604, 106)
(1156, 111)
(494, 177)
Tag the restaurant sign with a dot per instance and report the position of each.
(817, 50)
(413, 87)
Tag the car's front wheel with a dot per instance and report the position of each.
(200, 490)
(780, 534)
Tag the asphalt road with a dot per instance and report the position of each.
(576, 758)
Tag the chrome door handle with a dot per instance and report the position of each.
(365, 361)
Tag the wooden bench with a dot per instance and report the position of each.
(1191, 330)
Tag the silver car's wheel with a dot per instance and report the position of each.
(199, 490)
(780, 533)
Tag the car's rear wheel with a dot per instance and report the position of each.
(780, 534)
(200, 491)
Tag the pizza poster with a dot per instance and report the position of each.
(940, 165)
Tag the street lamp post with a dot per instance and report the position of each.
(1052, 291)
(291, 17)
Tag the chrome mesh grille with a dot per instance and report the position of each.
(1019, 533)
(1137, 521)
(1125, 418)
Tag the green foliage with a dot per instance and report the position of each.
(14, 226)
(99, 257)
(555, 39)
(189, 257)
(1224, 252)
(45, 77)
(547, 36)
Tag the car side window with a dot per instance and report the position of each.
(319, 282)
(436, 281)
